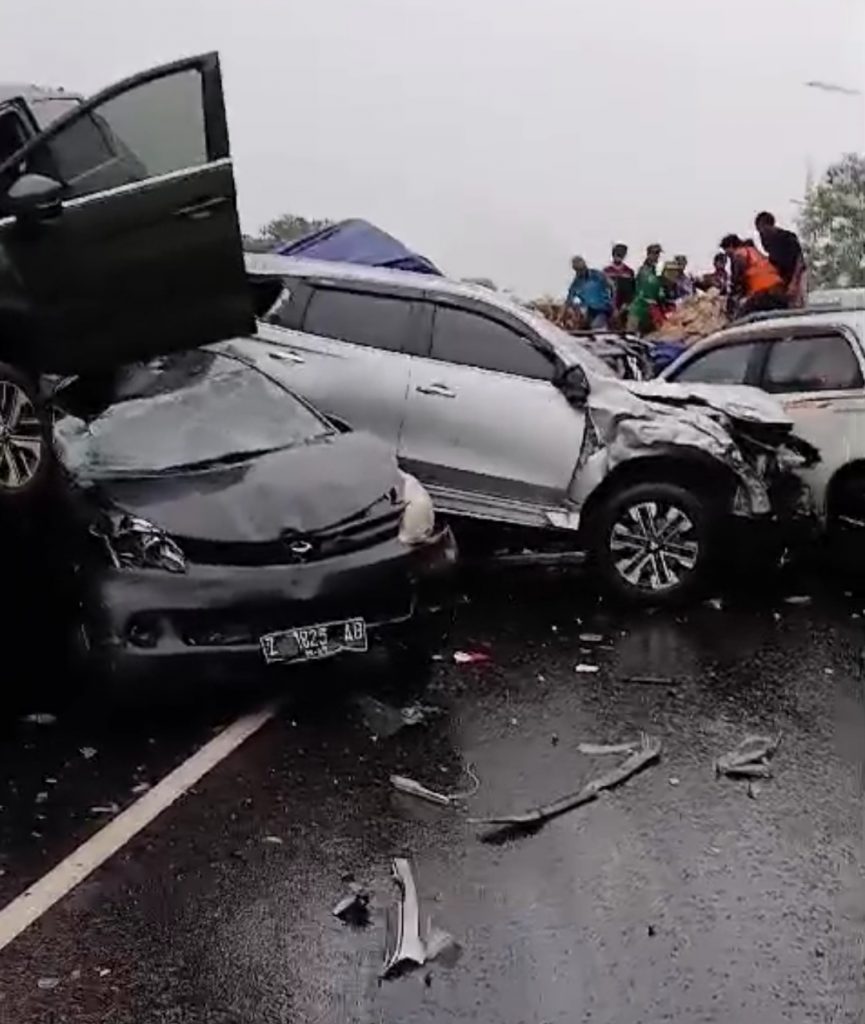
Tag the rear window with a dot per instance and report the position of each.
(822, 363)
(373, 320)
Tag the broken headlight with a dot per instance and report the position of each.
(418, 518)
(135, 543)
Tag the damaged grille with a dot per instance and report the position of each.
(295, 548)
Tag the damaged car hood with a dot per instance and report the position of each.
(738, 401)
(302, 489)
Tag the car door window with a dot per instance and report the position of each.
(727, 364)
(149, 129)
(460, 336)
(374, 320)
(821, 363)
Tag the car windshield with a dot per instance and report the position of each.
(182, 411)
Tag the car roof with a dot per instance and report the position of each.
(796, 320)
(274, 265)
(33, 93)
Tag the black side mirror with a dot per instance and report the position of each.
(574, 385)
(33, 196)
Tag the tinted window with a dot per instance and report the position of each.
(47, 110)
(475, 340)
(364, 319)
(150, 129)
(727, 364)
(812, 364)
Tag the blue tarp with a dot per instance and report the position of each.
(357, 241)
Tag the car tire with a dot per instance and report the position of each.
(846, 525)
(25, 439)
(653, 543)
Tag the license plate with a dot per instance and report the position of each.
(311, 643)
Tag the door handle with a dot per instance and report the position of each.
(202, 209)
(287, 357)
(439, 390)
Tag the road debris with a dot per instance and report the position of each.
(273, 840)
(591, 638)
(40, 718)
(441, 947)
(353, 909)
(142, 787)
(651, 681)
(384, 720)
(753, 790)
(41, 797)
(412, 788)
(798, 599)
(716, 603)
(46, 984)
(471, 657)
(111, 808)
(87, 752)
(407, 946)
(674, 781)
(750, 759)
(584, 667)
(648, 752)
(597, 749)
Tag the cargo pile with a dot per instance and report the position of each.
(695, 317)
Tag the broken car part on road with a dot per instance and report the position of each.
(750, 759)
(412, 788)
(407, 948)
(648, 752)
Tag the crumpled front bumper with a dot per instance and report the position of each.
(212, 617)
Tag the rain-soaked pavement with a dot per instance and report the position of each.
(677, 897)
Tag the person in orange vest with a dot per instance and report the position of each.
(755, 284)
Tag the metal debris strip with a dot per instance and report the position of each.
(412, 788)
(596, 749)
(584, 667)
(40, 718)
(471, 658)
(648, 752)
(408, 946)
(750, 759)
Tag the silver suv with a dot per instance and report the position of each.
(509, 420)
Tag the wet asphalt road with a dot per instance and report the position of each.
(678, 897)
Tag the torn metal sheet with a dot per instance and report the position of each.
(407, 945)
(648, 752)
(745, 430)
(750, 759)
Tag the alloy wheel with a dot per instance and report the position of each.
(653, 545)
(21, 442)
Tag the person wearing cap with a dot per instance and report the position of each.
(684, 281)
(622, 279)
(645, 312)
(591, 294)
(756, 286)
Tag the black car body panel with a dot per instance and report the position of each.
(267, 537)
(119, 235)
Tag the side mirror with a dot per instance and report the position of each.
(34, 196)
(574, 385)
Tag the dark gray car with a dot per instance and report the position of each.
(119, 238)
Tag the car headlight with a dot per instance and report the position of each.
(418, 518)
(135, 543)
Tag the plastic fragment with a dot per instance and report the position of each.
(40, 718)
(471, 657)
(46, 984)
(597, 749)
(408, 945)
(412, 788)
(273, 840)
(583, 667)
(798, 599)
(88, 752)
(353, 908)
(750, 759)
(111, 808)
(591, 638)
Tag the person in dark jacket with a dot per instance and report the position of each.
(785, 251)
(621, 277)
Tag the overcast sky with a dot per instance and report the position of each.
(498, 137)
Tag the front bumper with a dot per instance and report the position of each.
(212, 617)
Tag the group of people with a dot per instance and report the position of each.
(619, 298)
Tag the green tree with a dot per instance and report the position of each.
(288, 227)
(832, 226)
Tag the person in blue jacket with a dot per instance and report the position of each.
(591, 294)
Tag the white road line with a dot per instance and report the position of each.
(18, 915)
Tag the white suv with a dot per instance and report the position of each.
(814, 363)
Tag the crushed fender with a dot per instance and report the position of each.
(648, 752)
(750, 759)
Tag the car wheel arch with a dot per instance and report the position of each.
(839, 483)
(694, 470)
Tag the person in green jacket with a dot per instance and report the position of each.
(647, 295)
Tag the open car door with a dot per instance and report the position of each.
(119, 235)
